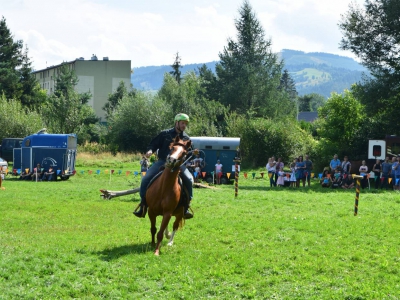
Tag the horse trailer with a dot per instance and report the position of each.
(56, 150)
(224, 149)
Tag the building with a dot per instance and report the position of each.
(99, 77)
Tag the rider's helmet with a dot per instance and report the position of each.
(181, 117)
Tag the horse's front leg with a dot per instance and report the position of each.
(160, 234)
(153, 228)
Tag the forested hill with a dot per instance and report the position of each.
(314, 72)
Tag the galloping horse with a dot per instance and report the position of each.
(164, 194)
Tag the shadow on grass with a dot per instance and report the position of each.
(117, 252)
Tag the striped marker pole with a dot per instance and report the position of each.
(237, 162)
(357, 178)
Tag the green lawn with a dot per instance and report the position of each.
(60, 240)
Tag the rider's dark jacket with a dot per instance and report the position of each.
(163, 140)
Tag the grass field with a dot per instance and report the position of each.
(60, 240)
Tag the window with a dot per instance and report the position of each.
(226, 147)
(377, 150)
(208, 147)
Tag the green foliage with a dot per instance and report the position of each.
(206, 115)
(66, 110)
(249, 72)
(263, 138)
(137, 119)
(176, 66)
(340, 126)
(114, 98)
(17, 121)
(288, 85)
(311, 102)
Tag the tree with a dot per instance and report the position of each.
(288, 85)
(373, 34)
(17, 121)
(66, 110)
(249, 72)
(176, 66)
(16, 78)
(311, 102)
(340, 126)
(114, 99)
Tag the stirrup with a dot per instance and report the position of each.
(188, 214)
(141, 213)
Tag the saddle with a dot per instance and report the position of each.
(184, 199)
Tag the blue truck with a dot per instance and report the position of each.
(56, 150)
(224, 149)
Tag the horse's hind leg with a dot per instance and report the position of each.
(174, 230)
(160, 234)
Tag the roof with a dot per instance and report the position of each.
(308, 116)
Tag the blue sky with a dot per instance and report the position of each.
(150, 32)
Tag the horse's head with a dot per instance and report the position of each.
(178, 153)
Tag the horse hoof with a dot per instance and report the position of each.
(170, 244)
(157, 253)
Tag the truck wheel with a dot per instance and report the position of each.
(209, 179)
(224, 180)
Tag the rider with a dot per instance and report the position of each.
(162, 142)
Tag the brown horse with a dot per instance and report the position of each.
(164, 193)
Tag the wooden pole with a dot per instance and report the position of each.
(357, 178)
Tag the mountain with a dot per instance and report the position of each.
(313, 72)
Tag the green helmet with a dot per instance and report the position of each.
(181, 117)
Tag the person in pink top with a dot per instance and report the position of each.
(218, 171)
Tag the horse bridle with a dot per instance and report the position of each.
(176, 162)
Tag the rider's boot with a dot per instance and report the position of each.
(141, 213)
(187, 214)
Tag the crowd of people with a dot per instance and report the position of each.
(300, 171)
(39, 174)
(339, 174)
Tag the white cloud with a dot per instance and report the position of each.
(151, 32)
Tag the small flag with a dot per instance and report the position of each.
(136, 173)
(390, 180)
(112, 171)
(312, 175)
(320, 175)
(262, 174)
(253, 174)
(228, 174)
(106, 171)
(270, 175)
(128, 172)
(90, 172)
(143, 173)
(204, 174)
(119, 172)
(82, 172)
(195, 174)
(98, 172)
(245, 175)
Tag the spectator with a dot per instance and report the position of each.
(293, 170)
(337, 178)
(49, 175)
(377, 169)
(396, 170)
(197, 171)
(386, 170)
(281, 177)
(326, 179)
(346, 165)
(300, 166)
(335, 162)
(271, 171)
(37, 173)
(26, 175)
(392, 174)
(279, 164)
(308, 170)
(144, 164)
(348, 181)
(218, 171)
(364, 172)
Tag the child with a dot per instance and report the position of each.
(325, 180)
(281, 177)
(337, 180)
(293, 170)
(218, 171)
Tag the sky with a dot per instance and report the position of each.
(151, 32)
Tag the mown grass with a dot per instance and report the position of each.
(60, 240)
